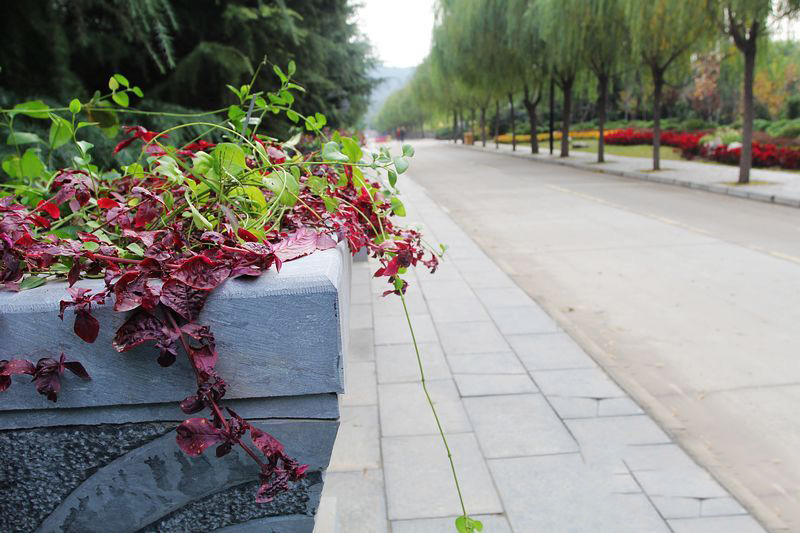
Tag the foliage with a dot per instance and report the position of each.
(168, 228)
(185, 52)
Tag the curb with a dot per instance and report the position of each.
(713, 188)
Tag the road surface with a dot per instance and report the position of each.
(689, 299)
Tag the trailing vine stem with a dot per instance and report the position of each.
(433, 407)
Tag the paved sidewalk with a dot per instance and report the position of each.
(783, 187)
(542, 439)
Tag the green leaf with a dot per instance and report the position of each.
(91, 246)
(311, 124)
(122, 80)
(12, 166)
(60, 132)
(84, 146)
(351, 149)
(292, 68)
(280, 73)
(137, 91)
(392, 178)
(33, 109)
(320, 119)
(330, 152)
(256, 196)
(236, 113)
(331, 204)
(32, 166)
(230, 157)
(121, 99)
(283, 184)
(32, 282)
(136, 249)
(397, 207)
(113, 84)
(21, 137)
(465, 524)
(400, 164)
(75, 106)
(408, 150)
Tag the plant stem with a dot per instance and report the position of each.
(433, 408)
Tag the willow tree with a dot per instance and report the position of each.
(605, 46)
(744, 22)
(561, 25)
(662, 32)
(522, 33)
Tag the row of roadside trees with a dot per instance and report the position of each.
(488, 51)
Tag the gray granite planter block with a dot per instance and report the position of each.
(104, 458)
(278, 335)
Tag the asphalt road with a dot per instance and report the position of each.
(690, 300)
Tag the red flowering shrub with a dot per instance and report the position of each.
(764, 155)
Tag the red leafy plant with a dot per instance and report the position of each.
(166, 231)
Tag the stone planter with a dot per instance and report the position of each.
(104, 457)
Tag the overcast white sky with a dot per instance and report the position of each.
(400, 30)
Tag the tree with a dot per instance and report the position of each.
(184, 53)
(662, 32)
(605, 46)
(560, 27)
(744, 22)
(524, 38)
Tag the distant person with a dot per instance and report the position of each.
(401, 134)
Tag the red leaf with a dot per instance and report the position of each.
(195, 435)
(139, 328)
(303, 242)
(106, 203)
(205, 358)
(86, 326)
(76, 368)
(183, 299)
(201, 272)
(265, 442)
(49, 208)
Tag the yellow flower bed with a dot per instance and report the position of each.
(525, 138)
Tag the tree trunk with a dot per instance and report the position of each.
(530, 106)
(552, 107)
(566, 87)
(746, 158)
(455, 126)
(483, 126)
(513, 123)
(602, 102)
(422, 128)
(658, 86)
(496, 124)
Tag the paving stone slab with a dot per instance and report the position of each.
(397, 363)
(404, 409)
(360, 386)
(618, 407)
(721, 524)
(577, 383)
(360, 501)
(471, 337)
(493, 384)
(568, 408)
(447, 290)
(721, 507)
(457, 310)
(523, 319)
(362, 345)
(518, 425)
(361, 316)
(612, 434)
(670, 507)
(553, 351)
(486, 363)
(419, 482)
(390, 330)
(503, 297)
(357, 445)
(392, 306)
(562, 493)
(491, 524)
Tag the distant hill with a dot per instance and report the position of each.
(393, 79)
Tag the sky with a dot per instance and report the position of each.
(399, 30)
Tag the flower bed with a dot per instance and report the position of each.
(689, 143)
